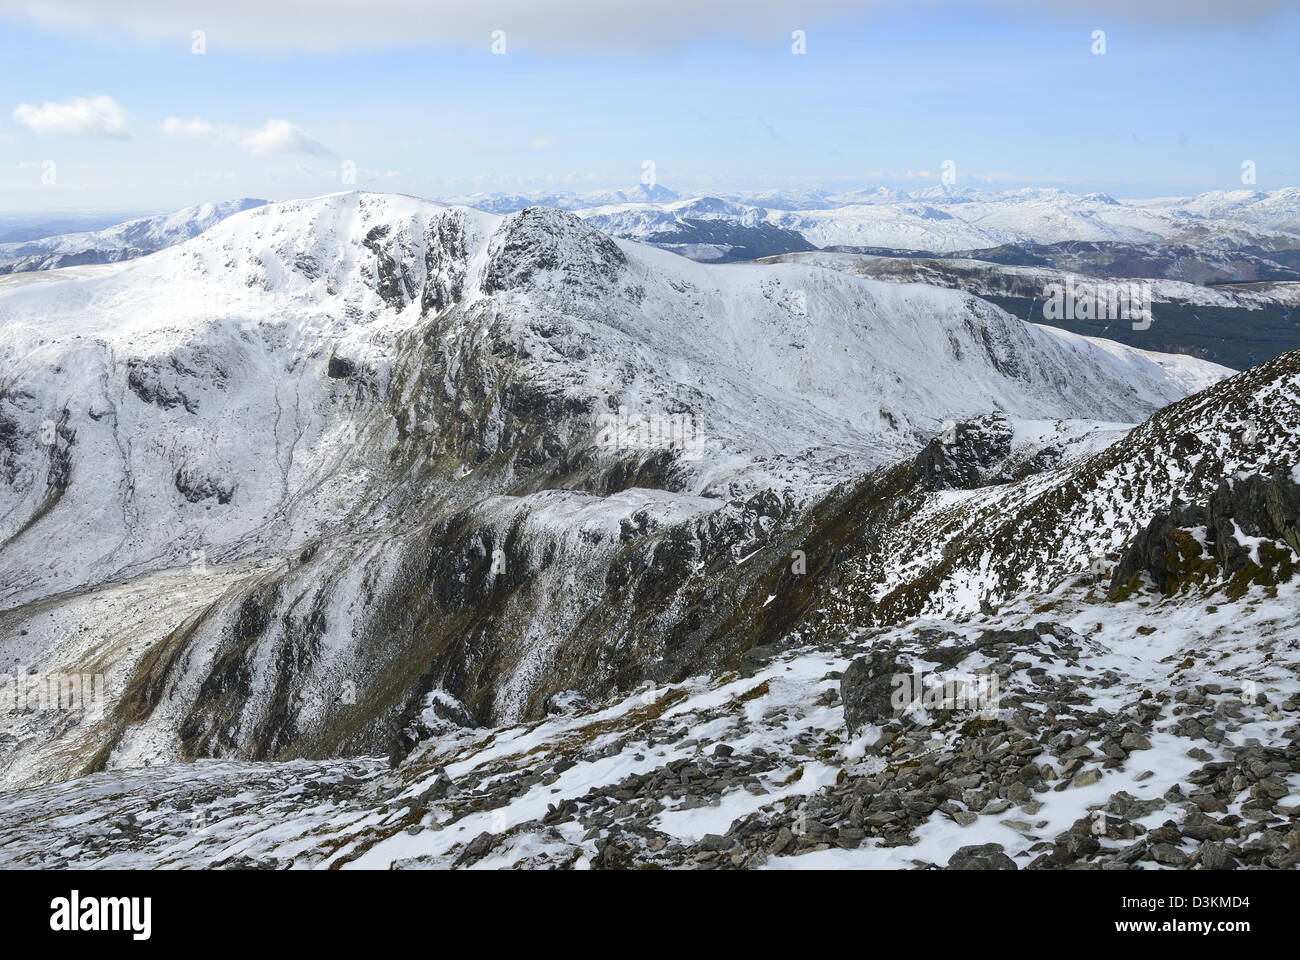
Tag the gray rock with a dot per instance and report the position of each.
(716, 842)
(1168, 854)
(476, 849)
(1215, 856)
(784, 839)
(987, 856)
(1088, 777)
(867, 689)
(1129, 807)
(1072, 846)
(1132, 853)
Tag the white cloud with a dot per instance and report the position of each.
(274, 136)
(85, 116)
(281, 136)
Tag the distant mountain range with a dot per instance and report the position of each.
(1225, 266)
(1259, 226)
(123, 241)
(942, 219)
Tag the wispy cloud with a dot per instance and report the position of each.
(100, 116)
(274, 136)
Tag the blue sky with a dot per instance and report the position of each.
(1012, 95)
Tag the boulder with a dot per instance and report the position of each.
(866, 690)
(985, 856)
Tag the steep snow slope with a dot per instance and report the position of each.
(182, 386)
(339, 455)
(125, 241)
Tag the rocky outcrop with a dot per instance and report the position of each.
(984, 856)
(538, 241)
(1248, 528)
(1256, 506)
(963, 454)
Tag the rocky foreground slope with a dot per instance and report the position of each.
(1138, 734)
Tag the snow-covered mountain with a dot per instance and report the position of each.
(125, 241)
(506, 203)
(990, 279)
(308, 308)
(543, 515)
(321, 403)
